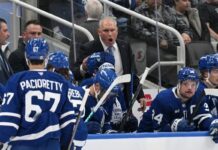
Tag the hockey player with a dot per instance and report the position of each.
(172, 109)
(36, 108)
(203, 67)
(211, 81)
(103, 60)
(100, 121)
(59, 63)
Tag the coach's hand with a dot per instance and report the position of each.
(142, 104)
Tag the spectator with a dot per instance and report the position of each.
(167, 41)
(191, 17)
(172, 109)
(32, 29)
(36, 108)
(108, 32)
(4, 35)
(208, 15)
(94, 11)
(166, 15)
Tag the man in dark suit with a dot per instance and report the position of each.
(32, 29)
(4, 34)
(124, 62)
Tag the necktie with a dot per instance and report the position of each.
(110, 50)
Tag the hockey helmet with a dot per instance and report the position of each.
(213, 62)
(36, 49)
(187, 73)
(203, 62)
(58, 60)
(97, 59)
(105, 77)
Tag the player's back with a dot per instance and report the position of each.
(37, 102)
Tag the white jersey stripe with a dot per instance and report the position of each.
(79, 143)
(38, 135)
(67, 114)
(10, 114)
(9, 124)
(67, 122)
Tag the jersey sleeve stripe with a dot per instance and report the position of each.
(202, 115)
(9, 125)
(79, 143)
(67, 123)
(10, 114)
(67, 114)
(38, 135)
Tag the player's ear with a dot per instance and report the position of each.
(97, 87)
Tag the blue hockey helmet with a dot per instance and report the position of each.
(106, 65)
(213, 62)
(36, 49)
(105, 77)
(97, 59)
(203, 63)
(58, 60)
(187, 73)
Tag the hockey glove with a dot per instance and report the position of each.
(181, 125)
(93, 127)
(214, 130)
(130, 123)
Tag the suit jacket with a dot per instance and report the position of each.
(127, 62)
(17, 58)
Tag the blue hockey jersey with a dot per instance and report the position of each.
(167, 106)
(75, 95)
(211, 100)
(110, 114)
(36, 107)
(103, 114)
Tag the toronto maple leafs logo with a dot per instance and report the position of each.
(35, 49)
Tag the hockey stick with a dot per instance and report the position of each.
(195, 109)
(120, 79)
(139, 87)
(85, 97)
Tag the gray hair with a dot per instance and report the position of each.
(112, 19)
(94, 9)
